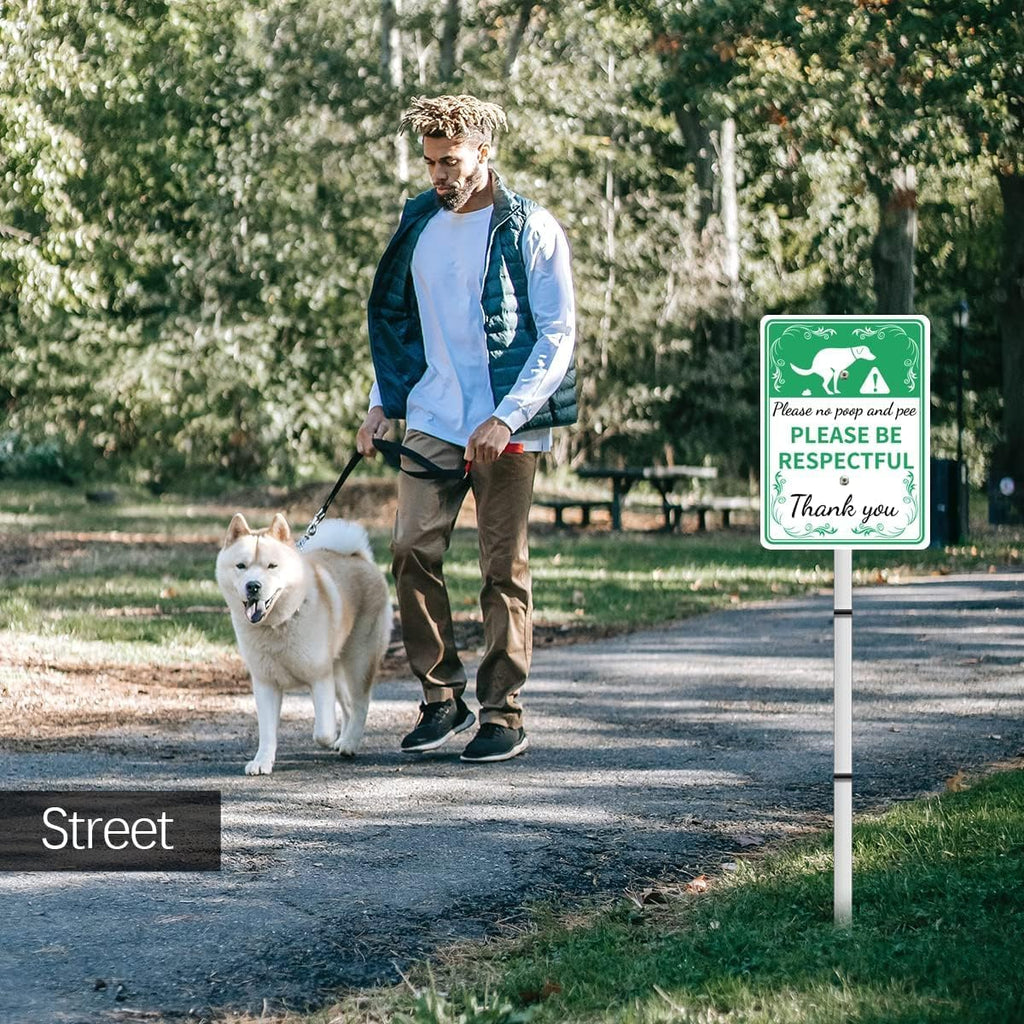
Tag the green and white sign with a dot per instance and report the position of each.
(844, 431)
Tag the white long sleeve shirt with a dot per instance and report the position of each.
(453, 397)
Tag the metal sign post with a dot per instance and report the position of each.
(842, 757)
(845, 463)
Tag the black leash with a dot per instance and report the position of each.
(315, 522)
(392, 452)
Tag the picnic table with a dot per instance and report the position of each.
(662, 478)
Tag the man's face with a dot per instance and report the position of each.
(457, 169)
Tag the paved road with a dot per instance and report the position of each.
(651, 755)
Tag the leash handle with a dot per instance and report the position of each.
(315, 522)
(393, 452)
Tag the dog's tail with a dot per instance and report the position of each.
(805, 373)
(342, 537)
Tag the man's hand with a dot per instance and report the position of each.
(487, 442)
(375, 425)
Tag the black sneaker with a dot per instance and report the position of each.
(438, 722)
(495, 742)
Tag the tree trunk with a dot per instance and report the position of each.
(450, 40)
(611, 205)
(892, 254)
(422, 54)
(700, 147)
(1010, 459)
(730, 213)
(713, 153)
(701, 153)
(515, 40)
(392, 74)
(718, 350)
(390, 44)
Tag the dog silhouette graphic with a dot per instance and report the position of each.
(829, 364)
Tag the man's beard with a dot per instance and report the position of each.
(458, 195)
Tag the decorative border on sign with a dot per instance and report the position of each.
(809, 530)
(879, 529)
(866, 333)
(777, 363)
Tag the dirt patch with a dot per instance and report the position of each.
(48, 697)
(50, 694)
(55, 697)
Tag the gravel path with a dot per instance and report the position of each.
(657, 754)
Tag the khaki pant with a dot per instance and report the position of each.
(427, 510)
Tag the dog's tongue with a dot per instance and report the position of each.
(254, 612)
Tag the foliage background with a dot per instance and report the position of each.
(194, 194)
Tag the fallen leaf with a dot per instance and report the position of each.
(645, 897)
(956, 783)
(533, 995)
(750, 841)
(698, 884)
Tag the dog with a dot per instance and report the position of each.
(319, 618)
(829, 363)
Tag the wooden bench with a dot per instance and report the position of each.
(662, 478)
(559, 505)
(702, 506)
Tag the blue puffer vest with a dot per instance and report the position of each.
(396, 338)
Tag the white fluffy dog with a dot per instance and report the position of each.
(318, 619)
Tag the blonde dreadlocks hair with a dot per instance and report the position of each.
(453, 117)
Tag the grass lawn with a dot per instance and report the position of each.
(141, 571)
(938, 920)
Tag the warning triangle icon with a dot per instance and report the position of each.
(874, 384)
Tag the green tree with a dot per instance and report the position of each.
(220, 204)
(978, 77)
(194, 196)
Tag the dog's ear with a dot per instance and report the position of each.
(238, 527)
(279, 529)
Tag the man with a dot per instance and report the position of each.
(472, 330)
